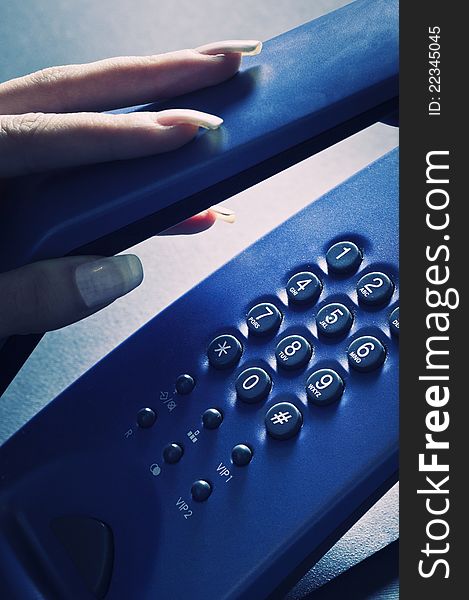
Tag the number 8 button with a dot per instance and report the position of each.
(293, 352)
(366, 353)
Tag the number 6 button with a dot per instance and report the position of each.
(366, 353)
(293, 352)
(253, 385)
(374, 289)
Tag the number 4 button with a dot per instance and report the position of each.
(303, 288)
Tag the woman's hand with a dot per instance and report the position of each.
(46, 123)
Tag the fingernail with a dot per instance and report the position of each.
(99, 282)
(178, 116)
(243, 47)
(224, 214)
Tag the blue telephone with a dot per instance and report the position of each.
(226, 469)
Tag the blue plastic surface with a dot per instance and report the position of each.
(84, 455)
(306, 83)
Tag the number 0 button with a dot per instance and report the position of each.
(366, 353)
(263, 318)
(303, 288)
(224, 351)
(253, 385)
(293, 352)
(343, 257)
(374, 289)
(324, 387)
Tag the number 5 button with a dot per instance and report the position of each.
(253, 385)
(366, 353)
(334, 320)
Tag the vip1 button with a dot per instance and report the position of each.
(253, 385)
(283, 421)
(293, 352)
(366, 353)
(263, 319)
(224, 351)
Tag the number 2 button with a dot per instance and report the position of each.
(374, 289)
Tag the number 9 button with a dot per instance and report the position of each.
(324, 387)
(293, 352)
(366, 353)
(334, 320)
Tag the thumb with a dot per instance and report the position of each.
(50, 294)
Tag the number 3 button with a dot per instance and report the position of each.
(366, 353)
(253, 385)
(293, 352)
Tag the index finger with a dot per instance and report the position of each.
(123, 81)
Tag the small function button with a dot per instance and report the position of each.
(324, 387)
(172, 453)
(253, 385)
(334, 320)
(201, 490)
(343, 258)
(374, 289)
(241, 455)
(224, 351)
(185, 383)
(394, 321)
(263, 318)
(283, 421)
(293, 352)
(304, 288)
(212, 418)
(146, 417)
(366, 353)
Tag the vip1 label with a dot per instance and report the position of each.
(183, 507)
(224, 472)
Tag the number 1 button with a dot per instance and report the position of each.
(343, 257)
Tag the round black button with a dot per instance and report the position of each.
(343, 257)
(263, 318)
(212, 418)
(394, 321)
(185, 384)
(146, 417)
(172, 453)
(224, 351)
(253, 385)
(283, 420)
(303, 288)
(293, 352)
(366, 353)
(201, 490)
(334, 319)
(324, 387)
(241, 455)
(374, 289)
